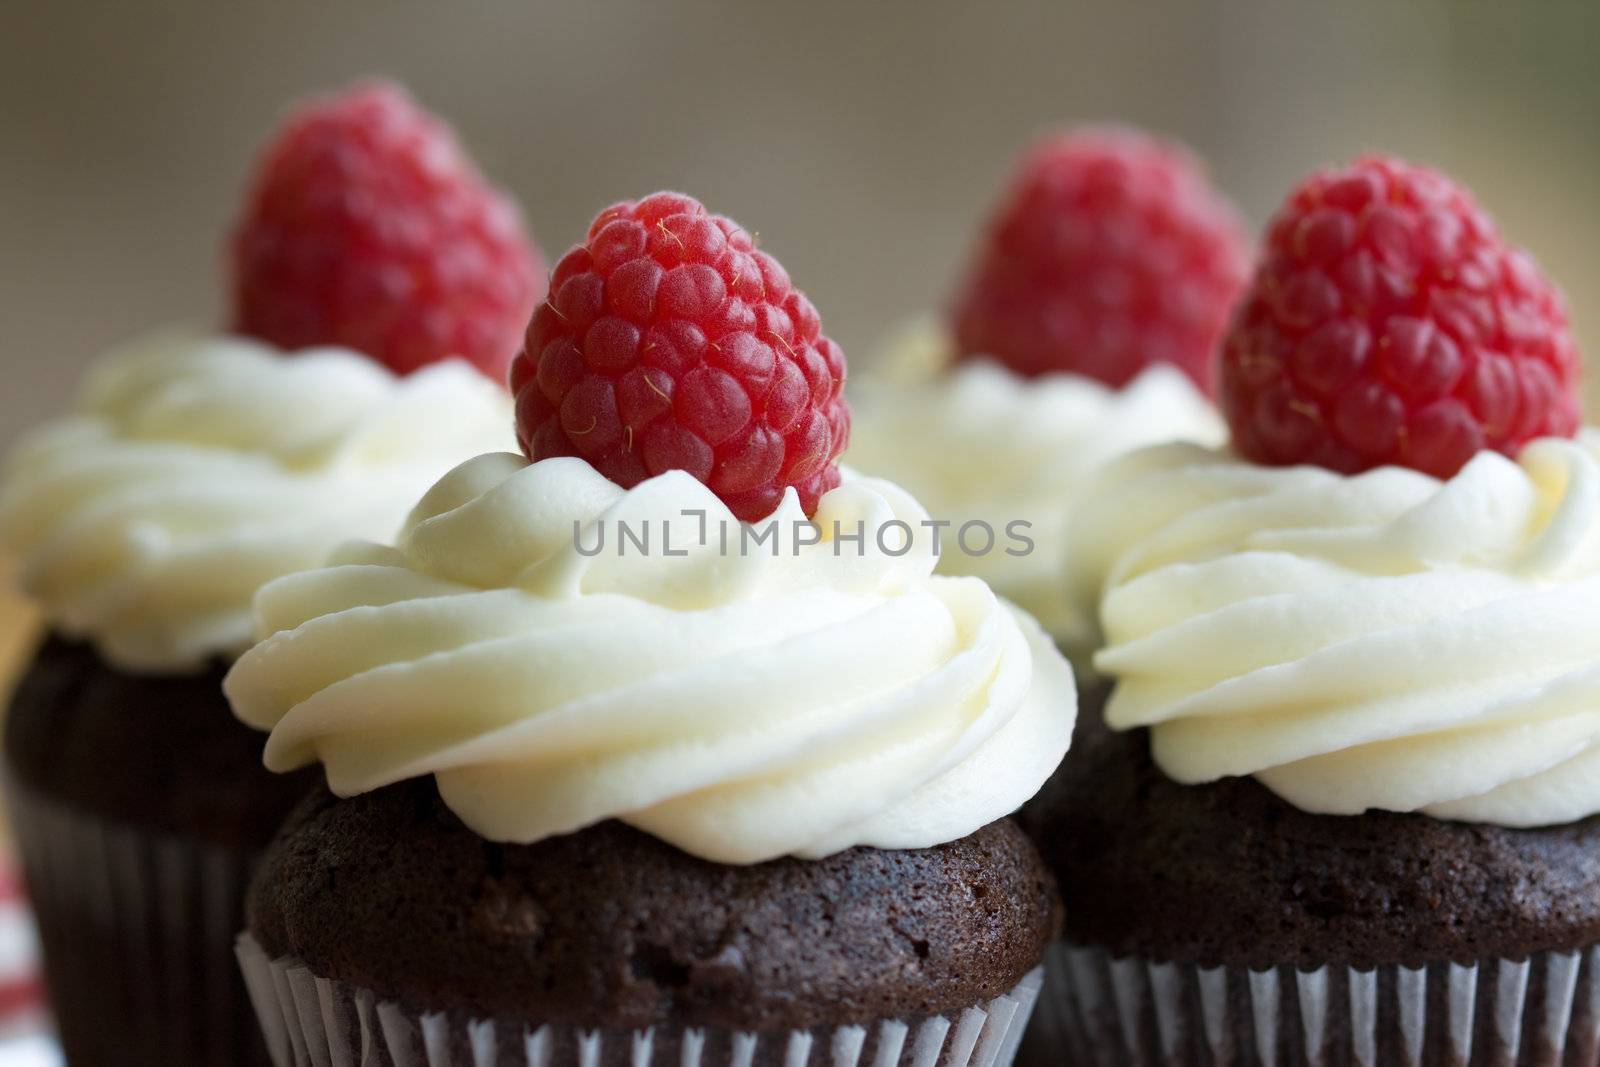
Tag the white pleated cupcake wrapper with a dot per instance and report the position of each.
(1096, 1010)
(137, 932)
(311, 1020)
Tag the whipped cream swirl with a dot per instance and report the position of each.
(978, 442)
(195, 469)
(741, 702)
(1378, 641)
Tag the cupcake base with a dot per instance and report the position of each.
(1543, 1011)
(1229, 873)
(1216, 924)
(135, 929)
(140, 806)
(311, 1019)
(611, 928)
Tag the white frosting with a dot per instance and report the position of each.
(788, 699)
(1384, 640)
(197, 468)
(979, 442)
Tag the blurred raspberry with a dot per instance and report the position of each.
(367, 226)
(670, 342)
(1109, 253)
(1388, 322)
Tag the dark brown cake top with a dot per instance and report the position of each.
(156, 751)
(610, 927)
(1229, 873)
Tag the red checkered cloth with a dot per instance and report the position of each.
(22, 1003)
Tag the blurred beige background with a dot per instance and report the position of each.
(863, 140)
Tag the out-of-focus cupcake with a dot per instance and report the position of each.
(1347, 811)
(665, 747)
(192, 469)
(1086, 327)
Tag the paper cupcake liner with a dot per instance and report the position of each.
(312, 1020)
(1543, 1010)
(137, 930)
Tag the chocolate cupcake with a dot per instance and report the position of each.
(1347, 809)
(593, 938)
(1226, 899)
(138, 806)
(642, 770)
(193, 469)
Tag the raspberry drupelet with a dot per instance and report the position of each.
(368, 227)
(1109, 252)
(669, 341)
(1389, 323)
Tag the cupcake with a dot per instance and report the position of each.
(1343, 809)
(1086, 327)
(193, 468)
(659, 743)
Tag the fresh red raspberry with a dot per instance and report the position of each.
(1389, 323)
(1110, 252)
(367, 226)
(670, 342)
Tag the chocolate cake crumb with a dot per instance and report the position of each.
(609, 927)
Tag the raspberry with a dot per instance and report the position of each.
(1389, 323)
(670, 342)
(367, 226)
(1110, 252)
